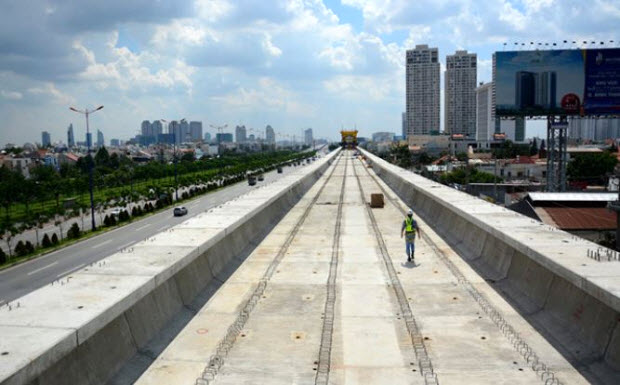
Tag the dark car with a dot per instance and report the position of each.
(251, 180)
(180, 211)
(261, 178)
(279, 170)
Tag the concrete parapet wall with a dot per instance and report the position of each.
(84, 328)
(544, 272)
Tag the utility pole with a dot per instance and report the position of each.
(86, 112)
(174, 158)
(495, 179)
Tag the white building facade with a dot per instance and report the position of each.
(485, 114)
(422, 90)
(460, 94)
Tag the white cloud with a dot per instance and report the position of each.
(269, 47)
(11, 95)
(50, 92)
(280, 62)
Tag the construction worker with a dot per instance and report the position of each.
(409, 230)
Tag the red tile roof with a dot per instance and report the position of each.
(582, 218)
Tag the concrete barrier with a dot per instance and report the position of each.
(544, 272)
(83, 329)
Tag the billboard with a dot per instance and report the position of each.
(557, 82)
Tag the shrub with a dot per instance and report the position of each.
(2, 257)
(46, 241)
(74, 232)
(134, 211)
(54, 239)
(123, 216)
(20, 249)
(112, 220)
(29, 247)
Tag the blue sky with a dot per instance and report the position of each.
(324, 64)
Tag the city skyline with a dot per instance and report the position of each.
(321, 64)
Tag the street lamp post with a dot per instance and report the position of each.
(174, 158)
(86, 112)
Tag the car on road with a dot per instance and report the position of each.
(251, 180)
(279, 170)
(180, 211)
(261, 177)
(116, 212)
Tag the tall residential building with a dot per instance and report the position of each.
(404, 125)
(89, 139)
(240, 134)
(70, 136)
(485, 114)
(185, 134)
(145, 128)
(115, 142)
(593, 129)
(207, 137)
(488, 124)
(157, 128)
(422, 90)
(460, 94)
(46, 139)
(270, 135)
(100, 141)
(308, 138)
(195, 131)
(173, 128)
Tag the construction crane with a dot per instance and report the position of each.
(220, 129)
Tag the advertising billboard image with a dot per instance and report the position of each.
(558, 82)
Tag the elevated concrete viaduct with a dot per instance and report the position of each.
(301, 282)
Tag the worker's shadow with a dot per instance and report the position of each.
(410, 265)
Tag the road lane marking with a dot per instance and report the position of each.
(143, 227)
(42, 268)
(71, 271)
(102, 243)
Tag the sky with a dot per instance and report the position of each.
(325, 64)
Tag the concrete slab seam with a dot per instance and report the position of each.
(327, 329)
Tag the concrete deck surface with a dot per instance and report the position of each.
(280, 341)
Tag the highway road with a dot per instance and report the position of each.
(26, 277)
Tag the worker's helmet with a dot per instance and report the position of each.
(410, 212)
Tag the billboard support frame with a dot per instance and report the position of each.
(557, 156)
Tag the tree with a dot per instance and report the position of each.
(3, 258)
(29, 247)
(102, 158)
(534, 147)
(74, 231)
(591, 167)
(469, 175)
(189, 156)
(462, 156)
(46, 242)
(401, 156)
(542, 151)
(20, 249)
(54, 239)
(8, 232)
(11, 185)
